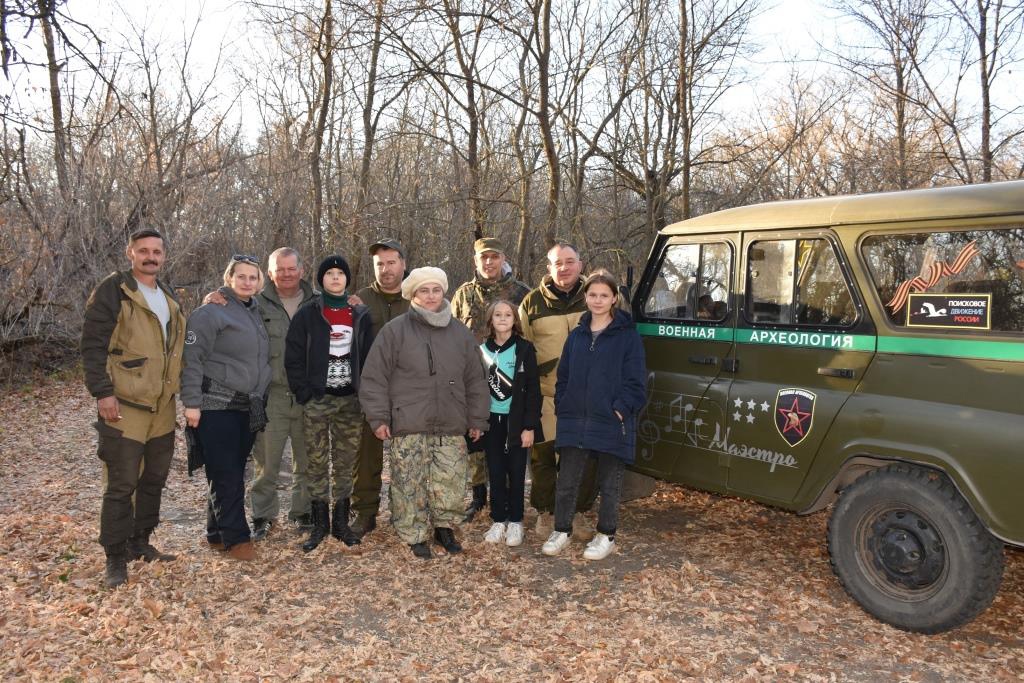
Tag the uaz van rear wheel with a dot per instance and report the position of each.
(910, 550)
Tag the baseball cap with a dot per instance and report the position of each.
(388, 243)
(488, 244)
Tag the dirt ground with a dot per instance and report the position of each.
(702, 588)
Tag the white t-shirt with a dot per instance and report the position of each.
(157, 301)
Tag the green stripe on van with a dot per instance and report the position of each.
(959, 348)
(917, 346)
(808, 339)
(696, 332)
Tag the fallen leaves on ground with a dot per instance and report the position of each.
(702, 588)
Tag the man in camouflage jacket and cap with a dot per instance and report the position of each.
(470, 302)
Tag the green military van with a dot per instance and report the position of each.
(861, 351)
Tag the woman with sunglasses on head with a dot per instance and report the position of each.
(223, 388)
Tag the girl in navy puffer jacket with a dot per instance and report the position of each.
(601, 389)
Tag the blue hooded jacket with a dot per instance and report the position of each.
(594, 380)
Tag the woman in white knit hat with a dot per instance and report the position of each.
(423, 388)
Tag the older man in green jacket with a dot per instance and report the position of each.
(279, 300)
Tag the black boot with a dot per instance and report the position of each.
(478, 503)
(421, 550)
(117, 566)
(304, 522)
(446, 539)
(261, 526)
(139, 548)
(321, 525)
(339, 523)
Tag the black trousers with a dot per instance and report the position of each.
(506, 470)
(226, 441)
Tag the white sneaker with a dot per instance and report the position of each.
(599, 548)
(514, 535)
(545, 524)
(496, 533)
(555, 543)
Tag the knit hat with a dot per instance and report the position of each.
(333, 262)
(421, 276)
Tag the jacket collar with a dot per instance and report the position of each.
(479, 283)
(547, 285)
(270, 293)
(620, 320)
(132, 285)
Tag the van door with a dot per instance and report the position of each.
(803, 342)
(684, 315)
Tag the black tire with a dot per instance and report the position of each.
(907, 547)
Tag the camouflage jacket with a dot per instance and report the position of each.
(471, 300)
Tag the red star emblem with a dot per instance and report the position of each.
(794, 418)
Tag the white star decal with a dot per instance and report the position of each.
(764, 407)
(736, 416)
(750, 418)
(738, 402)
(751, 404)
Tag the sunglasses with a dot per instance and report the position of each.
(245, 258)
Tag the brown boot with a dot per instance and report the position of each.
(245, 552)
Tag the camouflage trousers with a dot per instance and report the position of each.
(428, 477)
(331, 425)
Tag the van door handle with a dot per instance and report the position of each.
(731, 365)
(704, 360)
(845, 373)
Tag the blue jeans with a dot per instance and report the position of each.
(226, 441)
(571, 464)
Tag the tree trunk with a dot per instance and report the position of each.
(60, 144)
(325, 52)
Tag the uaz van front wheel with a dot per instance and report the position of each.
(910, 550)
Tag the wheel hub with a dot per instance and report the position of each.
(906, 549)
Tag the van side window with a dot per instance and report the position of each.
(692, 283)
(797, 282)
(927, 280)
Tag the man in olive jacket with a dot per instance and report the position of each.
(548, 314)
(132, 340)
(384, 299)
(284, 293)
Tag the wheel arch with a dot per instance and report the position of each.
(856, 465)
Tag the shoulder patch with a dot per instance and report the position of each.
(191, 337)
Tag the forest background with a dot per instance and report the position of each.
(328, 124)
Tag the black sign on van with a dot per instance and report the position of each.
(951, 311)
